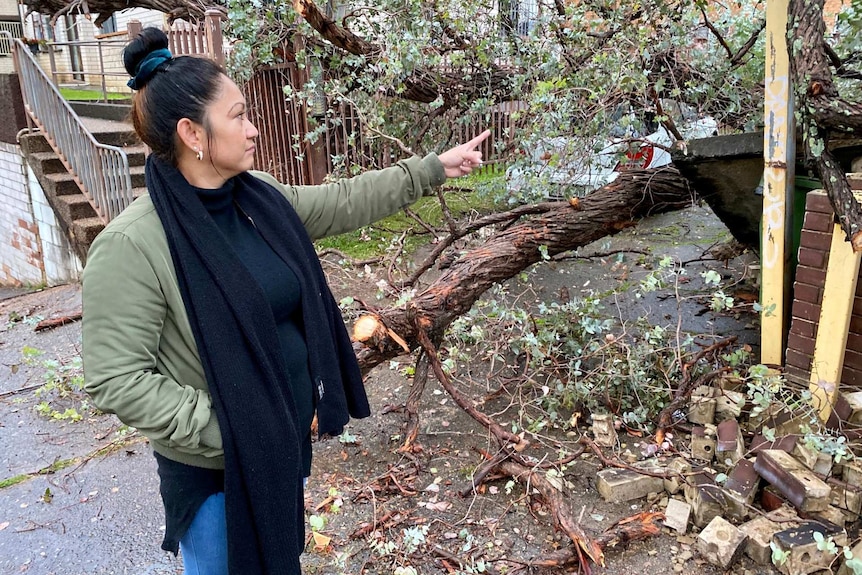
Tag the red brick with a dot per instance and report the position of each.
(816, 240)
(818, 222)
(806, 292)
(851, 377)
(818, 202)
(806, 311)
(855, 181)
(803, 328)
(813, 258)
(799, 360)
(853, 359)
(810, 276)
(855, 324)
(854, 342)
(795, 375)
(801, 344)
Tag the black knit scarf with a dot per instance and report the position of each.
(237, 341)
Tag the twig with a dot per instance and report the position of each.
(47, 324)
(343, 256)
(495, 428)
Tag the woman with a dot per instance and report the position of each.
(208, 322)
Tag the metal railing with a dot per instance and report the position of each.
(100, 170)
(15, 30)
(98, 63)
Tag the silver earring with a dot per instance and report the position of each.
(200, 154)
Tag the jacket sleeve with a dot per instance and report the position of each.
(349, 204)
(124, 312)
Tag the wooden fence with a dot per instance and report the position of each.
(282, 147)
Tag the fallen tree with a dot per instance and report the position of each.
(551, 229)
(554, 228)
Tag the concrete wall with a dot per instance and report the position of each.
(33, 248)
(11, 108)
(8, 9)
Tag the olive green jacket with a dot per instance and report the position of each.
(140, 357)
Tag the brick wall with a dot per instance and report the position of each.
(814, 246)
(33, 248)
(20, 253)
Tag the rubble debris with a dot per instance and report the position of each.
(854, 401)
(759, 532)
(674, 483)
(856, 551)
(813, 459)
(729, 447)
(701, 407)
(801, 489)
(804, 554)
(721, 543)
(677, 516)
(729, 405)
(618, 485)
(705, 499)
(795, 481)
(703, 444)
(603, 430)
(740, 489)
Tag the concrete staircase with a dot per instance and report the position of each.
(73, 211)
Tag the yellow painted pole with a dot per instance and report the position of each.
(779, 152)
(838, 293)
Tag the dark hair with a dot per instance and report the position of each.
(179, 88)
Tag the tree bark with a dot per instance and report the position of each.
(824, 113)
(564, 227)
(185, 9)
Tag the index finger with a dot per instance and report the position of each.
(477, 140)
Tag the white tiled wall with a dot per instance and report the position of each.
(33, 248)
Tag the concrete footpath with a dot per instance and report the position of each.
(75, 497)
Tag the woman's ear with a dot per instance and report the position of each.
(191, 134)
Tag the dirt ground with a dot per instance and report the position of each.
(82, 497)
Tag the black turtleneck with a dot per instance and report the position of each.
(282, 289)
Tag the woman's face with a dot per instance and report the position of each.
(230, 147)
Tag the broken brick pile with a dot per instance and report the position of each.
(746, 494)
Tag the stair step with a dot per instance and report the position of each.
(138, 179)
(47, 163)
(85, 230)
(137, 154)
(110, 132)
(74, 207)
(34, 142)
(60, 184)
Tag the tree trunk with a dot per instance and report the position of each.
(563, 227)
(185, 9)
(824, 115)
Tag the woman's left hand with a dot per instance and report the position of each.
(460, 160)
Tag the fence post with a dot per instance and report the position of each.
(212, 23)
(133, 29)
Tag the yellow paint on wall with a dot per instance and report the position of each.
(778, 155)
(842, 273)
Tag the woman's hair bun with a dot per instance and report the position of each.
(149, 40)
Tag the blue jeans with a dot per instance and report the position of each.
(204, 546)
